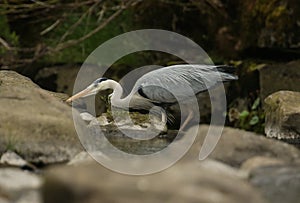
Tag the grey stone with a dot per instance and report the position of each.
(12, 159)
(278, 77)
(62, 79)
(188, 182)
(283, 115)
(260, 161)
(236, 146)
(20, 186)
(278, 183)
(34, 123)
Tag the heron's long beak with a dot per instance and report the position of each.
(86, 92)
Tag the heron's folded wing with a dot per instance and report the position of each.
(173, 83)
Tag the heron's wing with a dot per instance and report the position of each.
(173, 83)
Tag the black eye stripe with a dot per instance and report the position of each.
(99, 80)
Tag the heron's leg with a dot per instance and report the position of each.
(188, 119)
(163, 116)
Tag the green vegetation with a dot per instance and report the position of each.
(77, 54)
(11, 144)
(251, 119)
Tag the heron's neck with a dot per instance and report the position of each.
(117, 94)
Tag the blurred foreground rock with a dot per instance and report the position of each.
(236, 146)
(189, 182)
(283, 115)
(19, 186)
(34, 123)
(278, 183)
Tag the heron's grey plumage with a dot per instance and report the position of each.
(161, 85)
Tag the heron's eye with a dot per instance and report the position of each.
(95, 85)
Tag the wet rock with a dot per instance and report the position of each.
(87, 116)
(190, 182)
(283, 115)
(103, 120)
(278, 77)
(236, 146)
(122, 138)
(19, 186)
(34, 123)
(278, 183)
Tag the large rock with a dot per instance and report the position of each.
(58, 78)
(62, 79)
(190, 182)
(34, 123)
(283, 115)
(278, 77)
(278, 183)
(236, 146)
(19, 186)
(260, 161)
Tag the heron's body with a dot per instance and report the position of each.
(164, 86)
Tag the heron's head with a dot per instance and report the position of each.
(97, 86)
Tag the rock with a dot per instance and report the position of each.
(19, 186)
(58, 78)
(273, 78)
(102, 120)
(10, 158)
(260, 161)
(95, 141)
(189, 182)
(13, 159)
(35, 124)
(84, 157)
(204, 106)
(59, 96)
(283, 115)
(87, 116)
(278, 183)
(3, 200)
(62, 79)
(236, 146)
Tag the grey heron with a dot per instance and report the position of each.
(163, 87)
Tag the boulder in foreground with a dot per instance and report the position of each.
(188, 182)
(34, 123)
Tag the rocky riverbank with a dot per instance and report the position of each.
(42, 159)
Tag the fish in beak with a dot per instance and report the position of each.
(90, 90)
